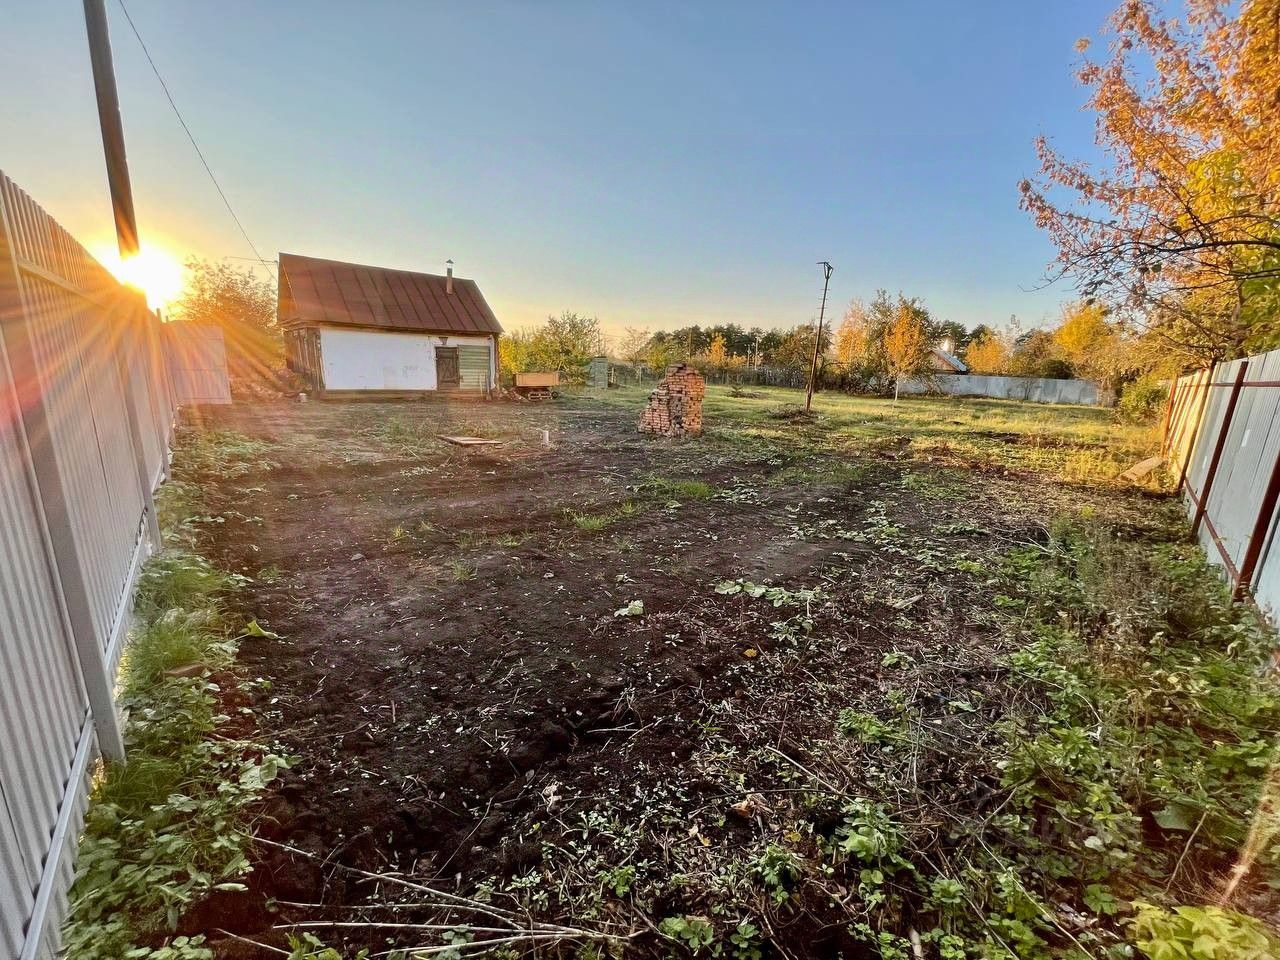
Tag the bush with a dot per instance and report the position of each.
(1143, 399)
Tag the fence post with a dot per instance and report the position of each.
(36, 426)
(1202, 500)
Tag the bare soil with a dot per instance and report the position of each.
(463, 696)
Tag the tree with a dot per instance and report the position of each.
(566, 343)
(1086, 340)
(716, 359)
(1182, 227)
(906, 343)
(795, 349)
(955, 332)
(851, 336)
(514, 352)
(1037, 354)
(634, 348)
(242, 306)
(987, 353)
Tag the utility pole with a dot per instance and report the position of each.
(104, 84)
(97, 677)
(817, 341)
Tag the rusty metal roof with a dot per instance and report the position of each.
(315, 291)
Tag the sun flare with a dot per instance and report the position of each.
(157, 273)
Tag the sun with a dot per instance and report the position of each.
(157, 273)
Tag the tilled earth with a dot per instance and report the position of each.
(480, 706)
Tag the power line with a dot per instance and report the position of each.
(178, 113)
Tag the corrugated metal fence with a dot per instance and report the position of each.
(86, 413)
(1222, 436)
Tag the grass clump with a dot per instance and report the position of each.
(810, 472)
(595, 522)
(173, 823)
(669, 488)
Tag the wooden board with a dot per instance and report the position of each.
(467, 441)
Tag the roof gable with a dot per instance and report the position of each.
(316, 291)
(950, 360)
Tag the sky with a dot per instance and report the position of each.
(653, 164)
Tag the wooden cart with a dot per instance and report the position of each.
(537, 385)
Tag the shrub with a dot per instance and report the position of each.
(1143, 399)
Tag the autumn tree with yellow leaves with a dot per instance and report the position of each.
(906, 343)
(852, 337)
(1181, 227)
(987, 354)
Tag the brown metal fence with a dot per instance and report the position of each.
(1222, 437)
(86, 414)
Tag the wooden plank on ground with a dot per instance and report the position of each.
(467, 441)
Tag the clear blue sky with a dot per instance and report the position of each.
(655, 164)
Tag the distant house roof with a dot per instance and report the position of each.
(946, 360)
(317, 292)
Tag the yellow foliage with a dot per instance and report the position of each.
(851, 336)
(906, 342)
(989, 354)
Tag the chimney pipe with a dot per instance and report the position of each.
(448, 276)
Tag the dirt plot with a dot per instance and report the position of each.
(572, 678)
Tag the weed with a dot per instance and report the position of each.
(270, 574)
(666, 488)
(1200, 933)
(170, 825)
(219, 454)
(591, 522)
(693, 933)
(865, 726)
(825, 472)
(462, 569)
(777, 868)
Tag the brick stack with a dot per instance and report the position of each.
(675, 407)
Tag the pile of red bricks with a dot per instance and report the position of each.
(675, 407)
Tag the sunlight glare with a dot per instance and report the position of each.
(157, 273)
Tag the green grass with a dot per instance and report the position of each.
(673, 488)
(827, 471)
(1073, 443)
(595, 522)
(462, 570)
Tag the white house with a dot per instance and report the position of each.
(351, 328)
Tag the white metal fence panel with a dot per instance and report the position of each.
(1222, 438)
(1035, 389)
(198, 363)
(42, 706)
(85, 420)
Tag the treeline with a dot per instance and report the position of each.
(872, 347)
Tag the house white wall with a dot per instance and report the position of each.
(385, 360)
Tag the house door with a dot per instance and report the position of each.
(447, 368)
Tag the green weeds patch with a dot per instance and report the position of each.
(1136, 787)
(669, 488)
(172, 824)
